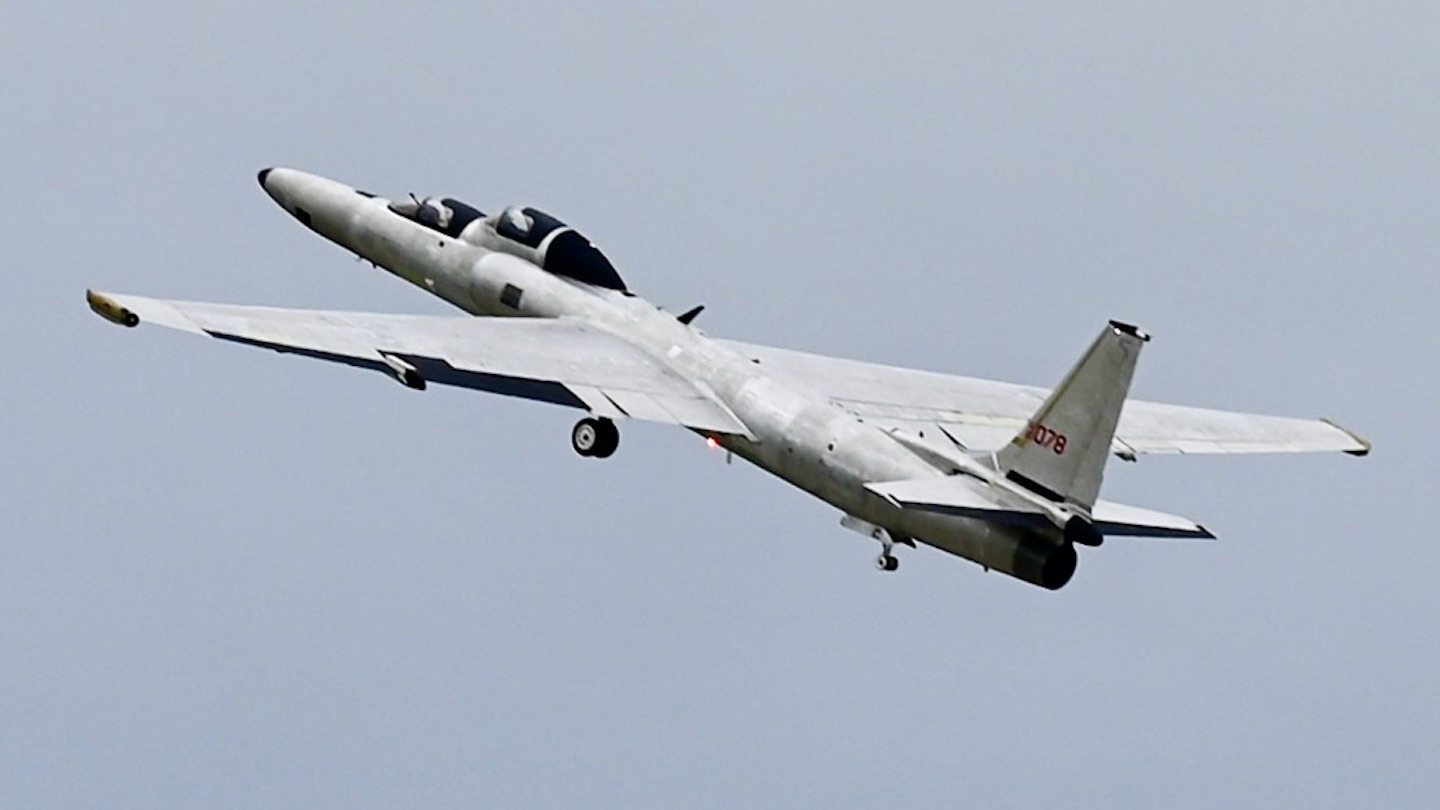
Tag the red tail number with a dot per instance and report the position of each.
(1045, 437)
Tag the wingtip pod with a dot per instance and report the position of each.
(109, 309)
(1362, 444)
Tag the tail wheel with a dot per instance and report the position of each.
(595, 438)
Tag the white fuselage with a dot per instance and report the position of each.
(798, 434)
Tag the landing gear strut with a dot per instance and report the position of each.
(887, 561)
(595, 438)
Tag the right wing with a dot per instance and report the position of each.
(984, 415)
(559, 361)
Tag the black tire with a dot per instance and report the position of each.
(609, 439)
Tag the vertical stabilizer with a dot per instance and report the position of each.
(1062, 451)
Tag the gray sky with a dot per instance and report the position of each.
(233, 579)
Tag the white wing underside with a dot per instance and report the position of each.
(983, 415)
(559, 361)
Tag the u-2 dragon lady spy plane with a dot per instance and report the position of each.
(1005, 475)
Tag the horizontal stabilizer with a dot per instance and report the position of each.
(1118, 520)
(963, 496)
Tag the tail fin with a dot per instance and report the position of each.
(1061, 453)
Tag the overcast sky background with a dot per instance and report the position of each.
(234, 579)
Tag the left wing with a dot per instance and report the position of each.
(984, 415)
(564, 362)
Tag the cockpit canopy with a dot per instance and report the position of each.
(527, 226)
(441, 214)
(555, 246)
(529, 233)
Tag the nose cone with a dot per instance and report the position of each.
(322, 205)
(275, 182)
(291, 188)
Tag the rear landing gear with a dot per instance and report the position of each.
(887, 561)
(595, 438)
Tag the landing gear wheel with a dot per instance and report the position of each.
(595, 438)
(585, 436)
(609, 439)
(886, 562)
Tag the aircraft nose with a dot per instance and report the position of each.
(320, 204)
(275, 185)
(284, 186)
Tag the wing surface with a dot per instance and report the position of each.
(983, 415)
(559, 361)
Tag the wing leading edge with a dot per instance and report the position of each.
(558, 361)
